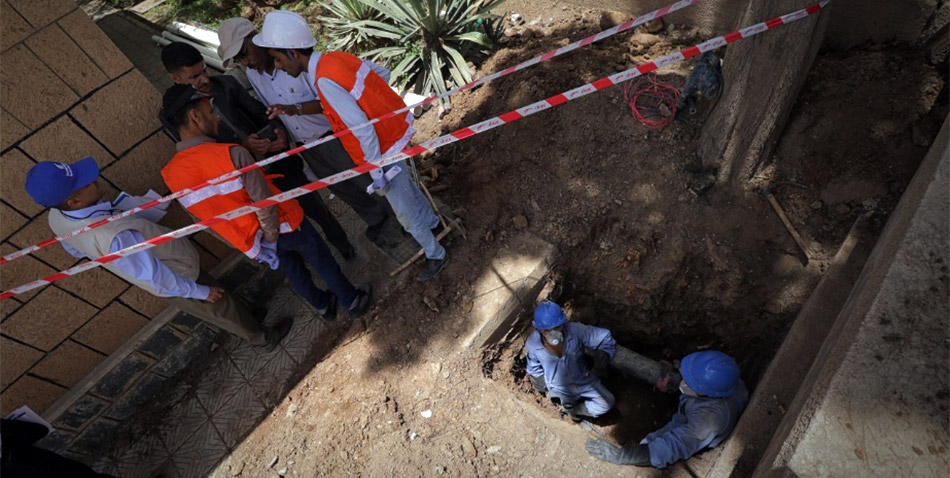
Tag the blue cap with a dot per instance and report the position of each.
(49, 183)
(710, 373)
(548, 315)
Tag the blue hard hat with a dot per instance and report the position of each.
(50, 183)
(710, 373)
(548, 315)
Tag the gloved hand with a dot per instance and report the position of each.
(601, 359)
(538, 383)
(662, 384)
(268, 255)
(638, 455)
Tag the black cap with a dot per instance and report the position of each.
(175, 99)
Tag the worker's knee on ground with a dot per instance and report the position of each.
(599, 406)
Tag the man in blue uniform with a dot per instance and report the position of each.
(713, 397)
(556, 362)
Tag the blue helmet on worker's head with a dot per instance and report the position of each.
(710, 373)
(548, 315)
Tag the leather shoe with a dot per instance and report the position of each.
(364, 297)
(329, 314)
(432, 268)
(277, 332)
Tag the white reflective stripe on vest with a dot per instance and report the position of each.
(255, 249)
(226, 187)
(360, 83)
(404, 141)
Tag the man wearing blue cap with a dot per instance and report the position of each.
(169, 271)
(556, 362)
(713, 397)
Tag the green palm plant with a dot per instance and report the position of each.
(338, 25)
(428, 43)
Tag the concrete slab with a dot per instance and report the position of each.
(516, 276)
(772, 396)
(876, 402)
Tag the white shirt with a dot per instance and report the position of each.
(350, 112)
(283, 89)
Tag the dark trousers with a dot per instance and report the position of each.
(330, 158)
(302, 247)
(313, 206)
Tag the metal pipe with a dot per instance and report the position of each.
(648, 370)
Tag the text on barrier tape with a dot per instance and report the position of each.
(449, 138)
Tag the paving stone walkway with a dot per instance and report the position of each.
(190, 427)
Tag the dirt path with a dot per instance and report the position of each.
(646, 249)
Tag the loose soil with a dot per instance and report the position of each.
(648, 247)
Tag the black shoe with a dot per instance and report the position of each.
(372, 232)
(277, 333)
(259, 313)
(438, 229)
(364, 297)
(432, 268)
(329, 314)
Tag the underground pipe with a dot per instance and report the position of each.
(648, 370)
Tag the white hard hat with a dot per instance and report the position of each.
(285, 30)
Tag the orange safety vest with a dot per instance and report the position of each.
(374, 97)
(210, 160)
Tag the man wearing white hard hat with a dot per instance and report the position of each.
(297, 105)
(352, 91)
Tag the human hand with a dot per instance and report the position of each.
(601, 359)
(274, 111)
(214, 294)
(638, 455)
(256, 144)
(538, 383)
(280, 143)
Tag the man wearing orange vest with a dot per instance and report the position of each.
(352, 92)
(277, 235)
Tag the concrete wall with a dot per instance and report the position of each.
(852, 21)
(69, 93)
(876, 401)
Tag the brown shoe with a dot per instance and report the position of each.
(276, 333)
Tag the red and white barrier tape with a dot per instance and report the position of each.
(260, 164)
(436, 143)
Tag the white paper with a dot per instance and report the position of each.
(26, 414)
(126, 202)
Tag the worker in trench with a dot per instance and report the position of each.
(711, 401)
(556, 362)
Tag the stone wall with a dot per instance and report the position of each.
(69, 93)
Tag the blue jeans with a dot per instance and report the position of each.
(303, 246)
(413, 211)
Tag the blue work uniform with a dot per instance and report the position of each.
(567, 377)
(700, 422)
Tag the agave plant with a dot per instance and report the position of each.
(428, 43)
(338, 26)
